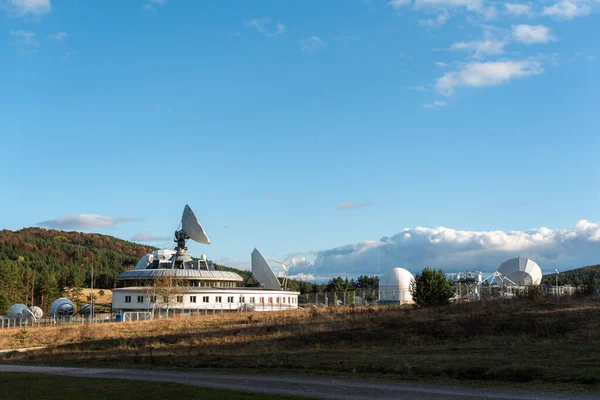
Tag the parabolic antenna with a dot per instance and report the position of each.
(85, 310)
(37, 312)
(16, 311)
(521, 271)
(28, 315)
(262, 272)
(191, 226)
(62, 308)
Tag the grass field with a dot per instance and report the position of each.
(548, 343)
(47, 387)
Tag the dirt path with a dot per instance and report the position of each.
(298, 386)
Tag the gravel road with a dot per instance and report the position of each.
(299, 386)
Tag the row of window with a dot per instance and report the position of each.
(218, 299)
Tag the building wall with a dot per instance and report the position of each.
(141, 299)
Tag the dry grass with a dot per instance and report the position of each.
(543, 343)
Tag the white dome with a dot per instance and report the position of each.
(521, 271)
(161, 255)
(394, 287)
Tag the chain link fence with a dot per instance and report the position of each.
(339, 299)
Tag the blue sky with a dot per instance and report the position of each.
(309, 129)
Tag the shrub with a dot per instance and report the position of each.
(431, 288)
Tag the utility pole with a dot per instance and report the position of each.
(556, 281)
(92, 292)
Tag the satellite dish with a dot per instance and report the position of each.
(192, 228)
(262, 272)
(37, 312)
(85, 310)
(62, 308)
(28, 315)
(16, 311)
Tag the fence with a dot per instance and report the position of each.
(337, 299)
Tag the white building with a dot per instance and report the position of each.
(170, 281)
(199, 288)
(394, 287)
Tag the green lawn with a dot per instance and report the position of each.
(22, 386)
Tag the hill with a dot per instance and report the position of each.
(589, 275)
(36, 264)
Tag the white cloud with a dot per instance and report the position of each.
(518, 9)
(455, 250)
(313, 43)
(439, 21)
(85, 222)
(58, 36)
(263, 25)
(152, 4)
(149, 237)
(400, 3)
(482, 74)
(435, 104)
(32, 7)
(530, 34)
(24, 38)
(568, 9)
(471, 5)
(440, 64)
(348, 205)
(481, 48)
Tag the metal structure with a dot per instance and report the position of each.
(285, 266)
(521, 271)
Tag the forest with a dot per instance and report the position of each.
(36, 264)
(589, 275)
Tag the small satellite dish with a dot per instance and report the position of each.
(62, 308)
(192, 228)
(262, 272)
(37, 312)
(28, 315)
(85, 310)
(16, 311)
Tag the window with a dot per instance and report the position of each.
(276, 299)
(242, 299)
(205, 299)
(262, 300)
(252, 300)
(192, 299)
(166, 299)
(270, 300)
(127, 299)
(230, 299)
(180, 299)
(283, 300)
(140, 299)
(218, 299)
(152, 299)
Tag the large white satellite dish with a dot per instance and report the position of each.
(191, 226)
(262, 272)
